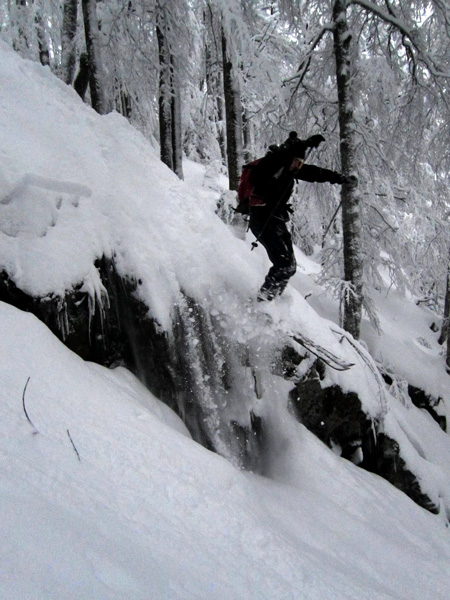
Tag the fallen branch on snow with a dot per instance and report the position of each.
(35, 430)
(74, 447)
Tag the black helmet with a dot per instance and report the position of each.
(294, 147)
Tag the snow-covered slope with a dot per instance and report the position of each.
(147, 512)
(76, 187)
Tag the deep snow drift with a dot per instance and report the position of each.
(146, 512)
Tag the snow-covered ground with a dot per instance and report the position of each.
(111, 498)
(148, 513)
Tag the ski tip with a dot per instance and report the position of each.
(329, 358)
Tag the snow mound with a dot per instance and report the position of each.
(77, 186)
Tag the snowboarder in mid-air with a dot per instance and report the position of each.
(272, 180)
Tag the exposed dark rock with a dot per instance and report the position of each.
(387, 378)
(132, 338)
(422, 400)
(338, 420)
(199, 371)
(118, 330)
(392, 467)
(250, 440)
(213, 401)
(434, 327)
(286, 363)
(334, 416)
(69, 318)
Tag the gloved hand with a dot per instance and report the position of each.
(314, 140)
(351, 180)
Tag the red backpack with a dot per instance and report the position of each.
(246, 190)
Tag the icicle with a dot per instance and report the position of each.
(97, 296)
(63, 318)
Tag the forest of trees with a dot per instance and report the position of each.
(217, 81)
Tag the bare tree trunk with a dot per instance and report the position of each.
(96, 74)
(233, 114)
(68, 50)
(351, 214)
(214, 80)
(444, 336)
(177, 130)
(165, 101)
(170, 129)
(447, 361)
(44, 54)
(21, 43)
(247, 131)
(221, 127)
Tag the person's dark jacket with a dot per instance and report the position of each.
(274, 182)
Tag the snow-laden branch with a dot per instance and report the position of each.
(313, 43)
(47, 184)
(411, 36)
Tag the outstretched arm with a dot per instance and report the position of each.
(317, 174)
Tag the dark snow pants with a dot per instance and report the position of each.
(276, 239)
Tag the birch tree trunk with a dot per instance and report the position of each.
(351, 213)
(233, 115)
(96, 74)
(68, 32)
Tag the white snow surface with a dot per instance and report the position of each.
(111, 498)
(148, 513)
